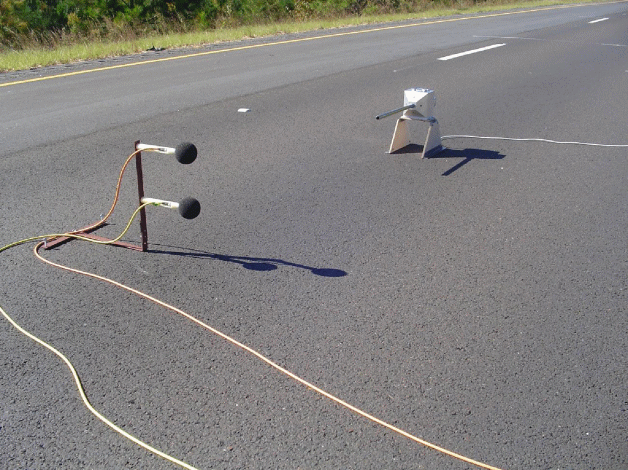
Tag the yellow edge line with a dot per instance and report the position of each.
(290, 41)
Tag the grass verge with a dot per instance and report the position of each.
(40, 56)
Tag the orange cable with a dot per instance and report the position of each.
(270, 363)
(113, 205)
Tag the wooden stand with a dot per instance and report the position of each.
(401, 137)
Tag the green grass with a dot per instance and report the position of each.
(62, 53)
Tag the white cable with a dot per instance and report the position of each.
(445, 137)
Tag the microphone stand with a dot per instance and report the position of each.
(140, 193)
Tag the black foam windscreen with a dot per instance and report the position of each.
(185, 153)
(189, 208)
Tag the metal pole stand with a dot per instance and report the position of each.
(140, 195)
(86, 233)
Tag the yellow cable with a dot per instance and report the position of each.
(76, 235)
(207, 327)
(77, 380)
(66, 360)
(94, 225)
(115, 199)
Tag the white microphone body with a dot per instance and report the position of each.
(160, 202)
(156, 148)
(185, 152)
(189, 207)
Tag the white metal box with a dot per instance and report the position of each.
(423, 99)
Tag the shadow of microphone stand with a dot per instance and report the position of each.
(250, 263)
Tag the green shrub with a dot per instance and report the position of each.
(25, 21)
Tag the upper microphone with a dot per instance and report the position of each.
(185, 152)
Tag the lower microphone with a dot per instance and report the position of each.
(189, 208)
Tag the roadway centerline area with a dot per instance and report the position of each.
(198, 77)
(421, 23)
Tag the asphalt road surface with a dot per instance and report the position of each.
(476, 299)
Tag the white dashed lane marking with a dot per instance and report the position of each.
(481, 49)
